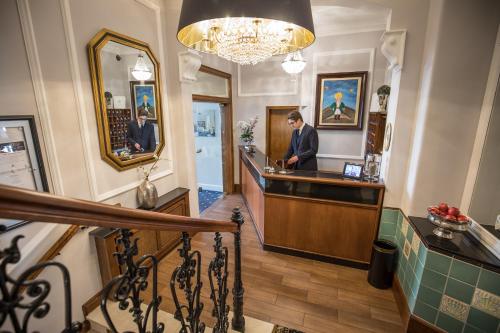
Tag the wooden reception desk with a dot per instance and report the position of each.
(312, 214)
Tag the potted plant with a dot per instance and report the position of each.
(383, 93)
(247, 134)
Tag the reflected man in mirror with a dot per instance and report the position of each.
(145, 106)
(301, 154)
(141, 134)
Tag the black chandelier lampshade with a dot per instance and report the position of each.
(215, 26)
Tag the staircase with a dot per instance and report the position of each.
(122, 307)
(172, 325)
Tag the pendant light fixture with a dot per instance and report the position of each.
(294, 63)
(141, 72)
(246, 32)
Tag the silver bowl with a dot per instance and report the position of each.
(445, 228)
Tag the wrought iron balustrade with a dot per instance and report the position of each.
(24, 298)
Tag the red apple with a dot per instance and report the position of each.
(453, 211)
(462, 218)
(450, 217)
(443, 207)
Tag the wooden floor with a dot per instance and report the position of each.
(298, 293)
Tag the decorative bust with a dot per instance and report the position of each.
(383, 93)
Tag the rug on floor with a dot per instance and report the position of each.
(207, 198)
(282, 329)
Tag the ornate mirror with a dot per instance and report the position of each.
(127, 96)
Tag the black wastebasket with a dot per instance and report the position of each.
(383, 264)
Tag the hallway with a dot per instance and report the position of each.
(294, 292)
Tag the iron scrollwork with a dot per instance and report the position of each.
(218, 289)
(238, 321)
(24, 299)
(126, 289)
(188, 277)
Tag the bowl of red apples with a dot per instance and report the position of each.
(448, 219)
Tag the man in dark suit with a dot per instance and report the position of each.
(141, 134)
(304, 144)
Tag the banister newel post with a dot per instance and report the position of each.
(238, 321)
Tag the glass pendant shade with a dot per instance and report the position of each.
(141, 72)
(246, 32)
(294, 63)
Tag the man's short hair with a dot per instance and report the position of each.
(295, 115)
(143, 113)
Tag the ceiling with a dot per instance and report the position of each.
(337, 17)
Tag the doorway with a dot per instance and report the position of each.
(212, 120)
(278, 133)
(208, 145)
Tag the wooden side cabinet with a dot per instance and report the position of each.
(376, 131)
(158, 243)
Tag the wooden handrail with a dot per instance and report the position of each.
(22, 204)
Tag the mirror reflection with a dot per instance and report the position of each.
(126, 89)
(130, 100)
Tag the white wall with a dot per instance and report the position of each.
(452, 91)
(45, 73)
(209, 157)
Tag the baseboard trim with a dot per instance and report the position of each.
(315, 256)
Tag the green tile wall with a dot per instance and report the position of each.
(449, 293)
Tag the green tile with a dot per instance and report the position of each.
(429, 296)
(449, 324)
(433, 280)
(419, 270)
(409, 234)
(406, 287)
(459, 290)
(471, 329)
(438, 262)
(400, 219)
(389, 215)
(464, 272)
(425, 312)
(482, 320)
(401, 243)
(489, 281)
(411, 302)
(422, 253)
(387, 229)
(412, 259)
(389, 238)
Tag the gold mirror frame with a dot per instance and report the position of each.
(94, 48)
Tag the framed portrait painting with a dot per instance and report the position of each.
(143, 96)
(340, 101)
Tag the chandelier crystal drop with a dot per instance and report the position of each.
(294, 63)
(141, 72)
(247, 40)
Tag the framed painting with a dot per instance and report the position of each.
(21, 162)
(340, 101)
(143, 97)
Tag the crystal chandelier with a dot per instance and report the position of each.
(294, 63)
(141, 72)
(246, 32)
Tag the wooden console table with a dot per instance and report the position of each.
(158, 243)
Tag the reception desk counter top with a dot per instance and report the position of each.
(314, 214)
